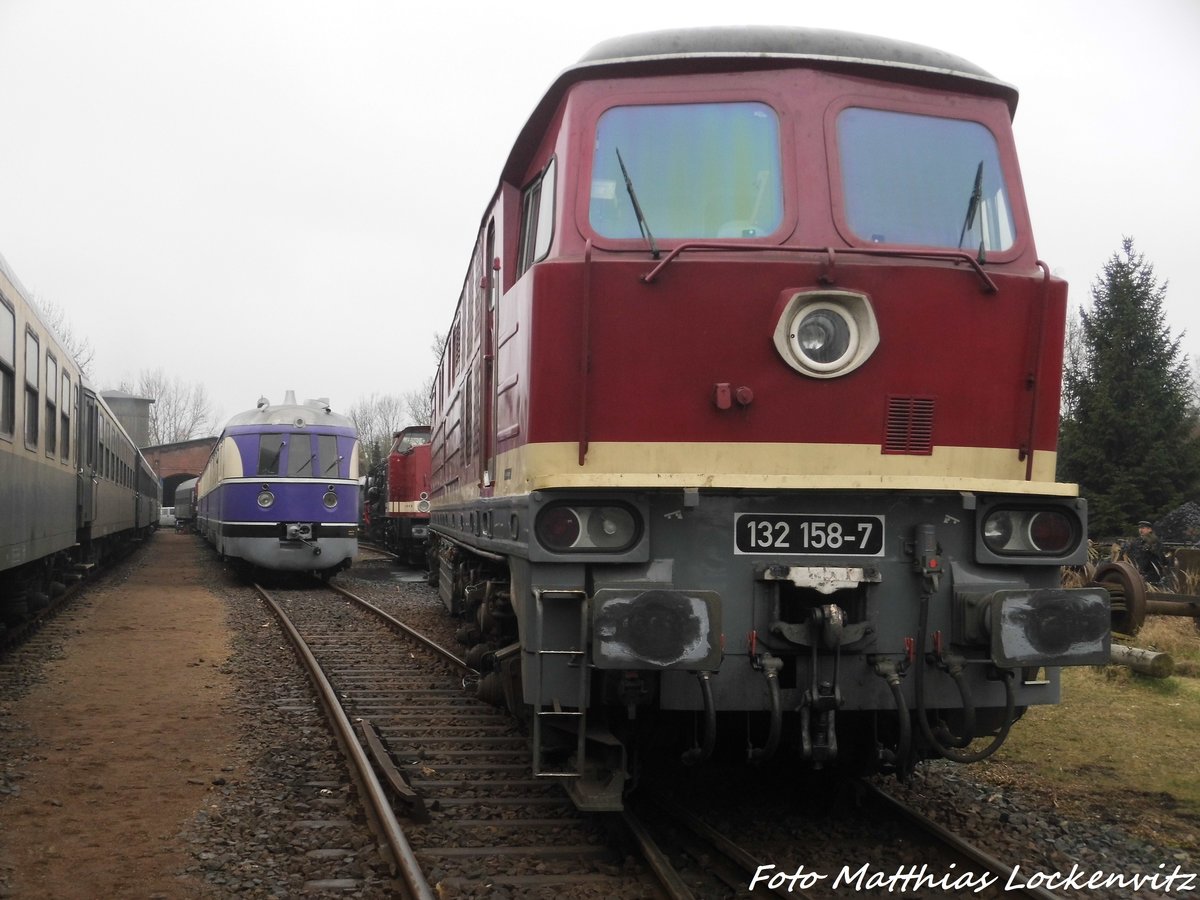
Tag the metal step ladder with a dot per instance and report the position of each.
(577, 658)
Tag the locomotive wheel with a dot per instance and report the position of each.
(1127, 590)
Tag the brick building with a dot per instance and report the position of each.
(176, 463)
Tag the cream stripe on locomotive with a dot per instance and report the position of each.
(395, 507)
(769, 467)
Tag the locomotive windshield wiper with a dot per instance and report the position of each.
(307, 462)
(973, 207)
(332, 464)
(637, 208)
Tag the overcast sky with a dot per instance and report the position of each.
(271, 196)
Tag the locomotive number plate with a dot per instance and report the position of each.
(805, 535)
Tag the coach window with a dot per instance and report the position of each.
(270, 448)
(537, 219)
(698, 170)
(51, 405)
(8, 370)
(924, 180)
(65, 411)
(33, 360)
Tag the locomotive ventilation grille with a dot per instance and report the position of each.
(909, 427)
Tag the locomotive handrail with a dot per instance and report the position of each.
(989, 286)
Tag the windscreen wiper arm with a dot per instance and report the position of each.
(972, 204)
(637, 208)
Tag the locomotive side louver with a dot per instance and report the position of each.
(909, 427)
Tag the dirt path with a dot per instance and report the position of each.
(128, 733)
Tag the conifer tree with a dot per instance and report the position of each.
(1128, 433)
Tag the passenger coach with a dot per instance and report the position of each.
(74, 488)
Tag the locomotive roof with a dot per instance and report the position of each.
(716, 49)
(299, 415)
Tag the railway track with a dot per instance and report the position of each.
(449, 781)
(461, 814)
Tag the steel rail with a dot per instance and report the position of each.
(405, 860)
(397, 625)
(959, 844)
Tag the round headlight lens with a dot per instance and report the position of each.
(611, 526)
(558, 528)
(1050, 532)
(330, 499)
(423, 506)
(998, 530)
(824, 336)
(265, 499)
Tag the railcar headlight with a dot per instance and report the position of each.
(1031, 532)
(330, 499)
(824, 334)
(265, 499)
(587, 528)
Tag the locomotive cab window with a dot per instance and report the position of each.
(8, 370)
(924, 180)
(537, 218)
(697, 170)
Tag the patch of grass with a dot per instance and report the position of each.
(1174, 635)
(1119, 748)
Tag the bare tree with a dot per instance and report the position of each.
(377, 418)
(80, 348)
(179, 412)
(419, 403)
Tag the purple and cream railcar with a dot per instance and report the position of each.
(280, 490)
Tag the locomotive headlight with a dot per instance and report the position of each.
(1051, 532)
(423, 506)
(558, 528)
(330, 500)
(998, 530)
(825, 334)
(265, 499)
(610, 526)
(584, 528)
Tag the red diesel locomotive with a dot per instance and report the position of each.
(745, 428)
(396, 509)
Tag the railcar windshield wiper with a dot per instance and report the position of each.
(637, 207)
(332, 464)
(308, 462)
(973, 207)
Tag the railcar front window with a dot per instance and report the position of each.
(270, 448)
(328, 459)
(913, 179)
(699, 170)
